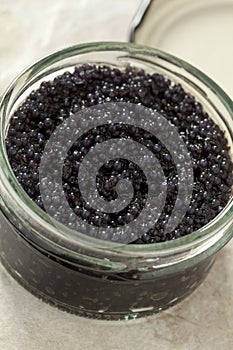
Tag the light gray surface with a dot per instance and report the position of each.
(29, 30)
(202, 322)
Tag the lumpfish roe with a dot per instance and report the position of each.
(47, 107)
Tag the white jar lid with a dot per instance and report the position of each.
(200, 32)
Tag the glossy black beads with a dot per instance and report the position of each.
(54, 101)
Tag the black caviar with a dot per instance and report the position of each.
(47, 107)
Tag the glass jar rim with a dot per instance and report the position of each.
(205, 237)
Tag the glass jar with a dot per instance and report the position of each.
(85, 275)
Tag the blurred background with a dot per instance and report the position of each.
(199, 32)
(31, 29)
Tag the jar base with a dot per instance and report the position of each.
(104, 316)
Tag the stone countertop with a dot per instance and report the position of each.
(29, 30)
